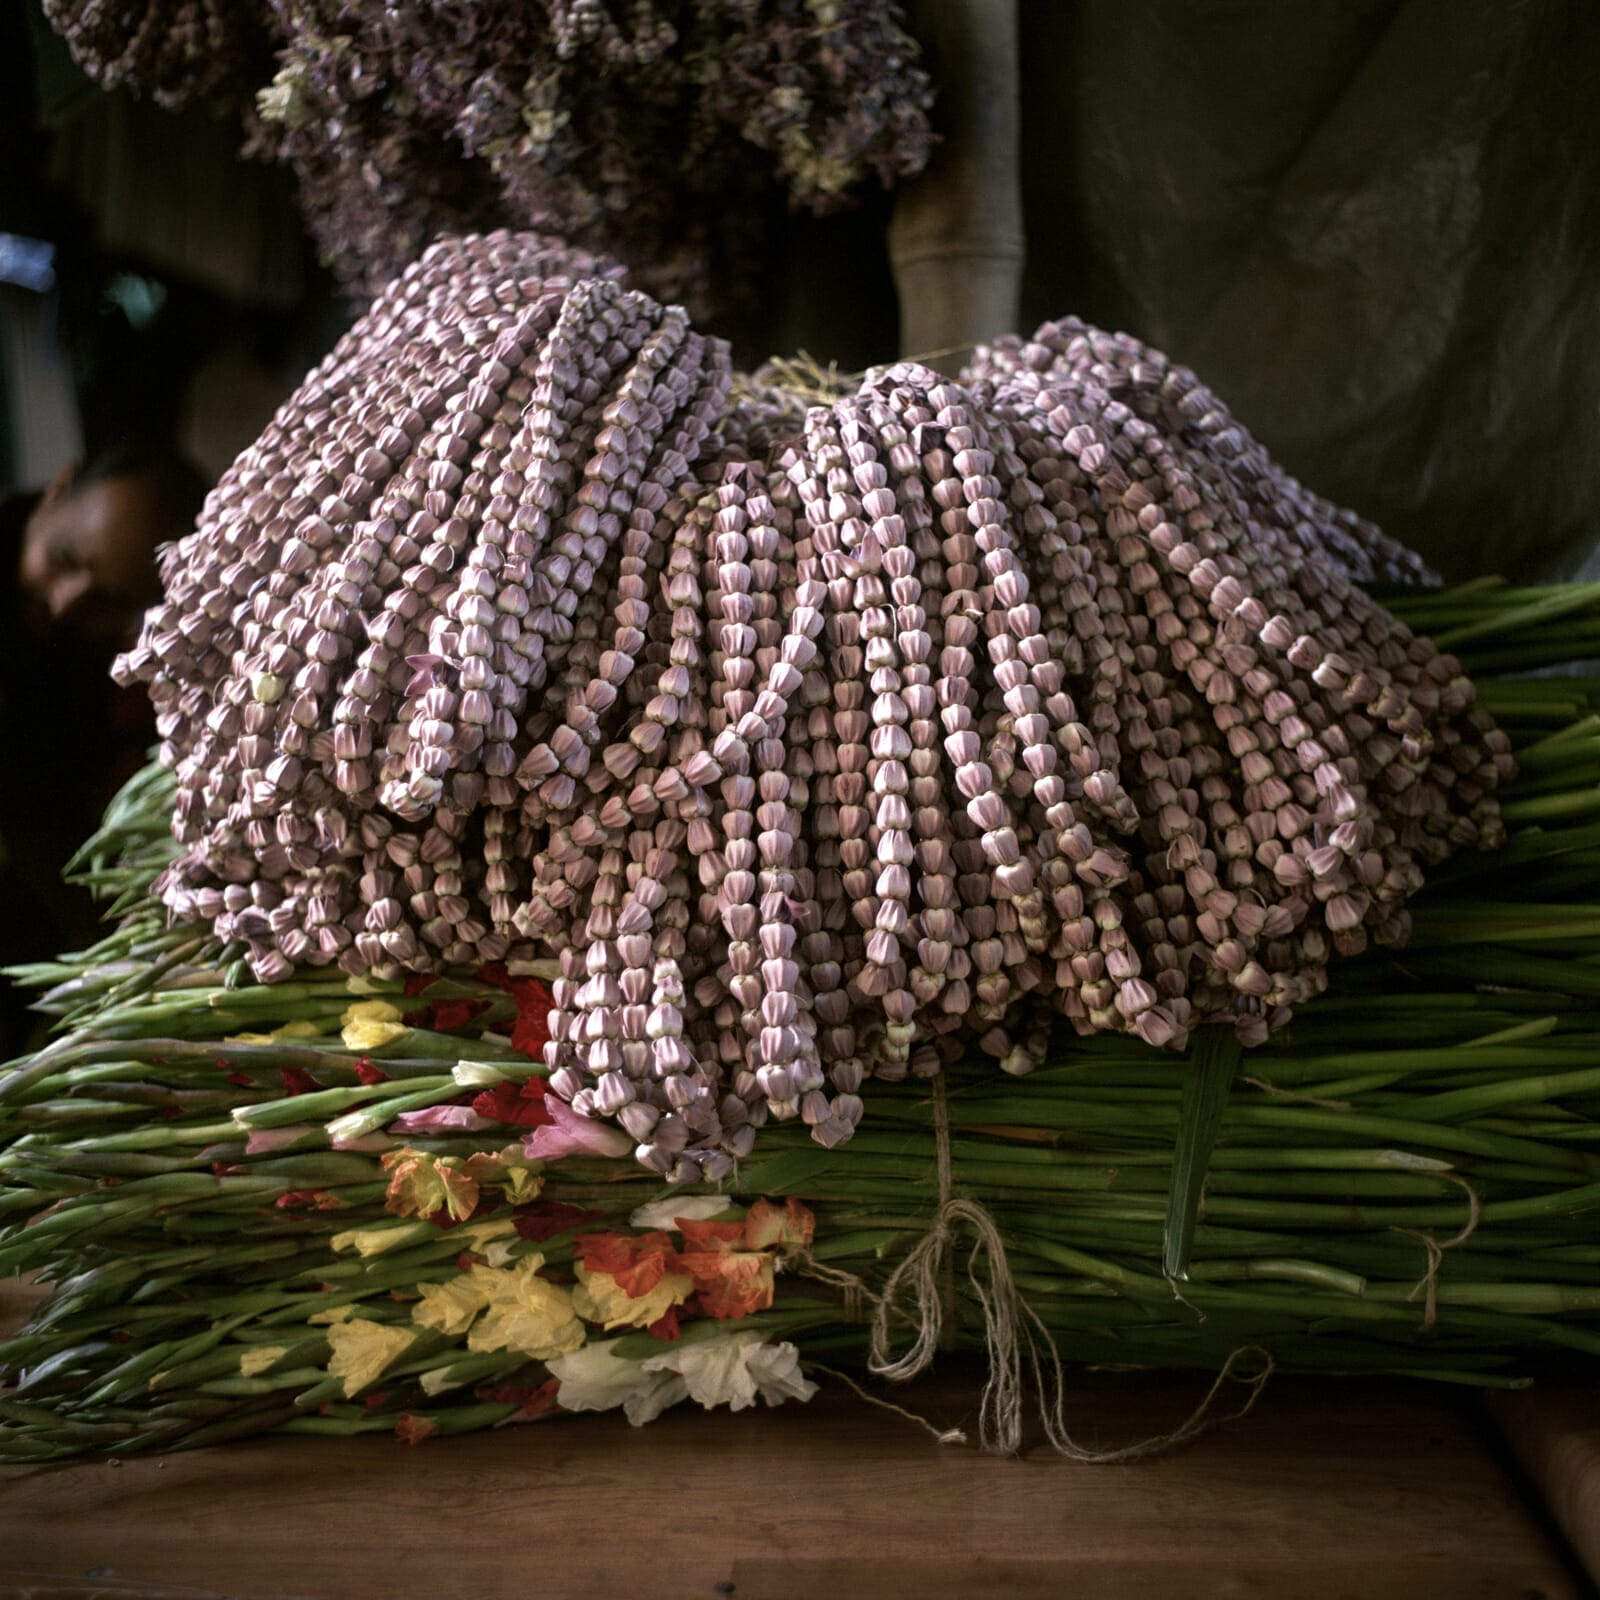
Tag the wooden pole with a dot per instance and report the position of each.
(956, 238)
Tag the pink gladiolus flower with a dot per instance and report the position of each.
(568, 1134)
(440, 1119)
(265, 1141)
(363, 1143)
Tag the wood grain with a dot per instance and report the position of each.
(1327, 1490)
(1554, 1431)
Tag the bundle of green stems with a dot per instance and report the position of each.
(1405, 1180)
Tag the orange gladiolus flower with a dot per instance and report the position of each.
(637, 1261)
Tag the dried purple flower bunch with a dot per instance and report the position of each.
(177, 51)
(819, 741)
(649, 130)
(644, 129)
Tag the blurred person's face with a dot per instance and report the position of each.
(88, 558)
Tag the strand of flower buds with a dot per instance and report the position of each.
(961, 707)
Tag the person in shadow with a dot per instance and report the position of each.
(81, 561)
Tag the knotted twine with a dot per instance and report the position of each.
(1013, 1330)
(1428, 1284)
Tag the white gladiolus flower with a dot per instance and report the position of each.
(664, 1213)
(735, 1369)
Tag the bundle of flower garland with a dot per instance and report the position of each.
(815, 743)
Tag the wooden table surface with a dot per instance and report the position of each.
(1327, 1490)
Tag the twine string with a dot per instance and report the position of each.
(1428, 1284)
(940, 1435)
(1279, 1093)
(914, 1295)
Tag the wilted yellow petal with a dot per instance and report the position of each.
(254, 1362)
(370, 1011)
(449, 1307)
(419, 1184)
(525, 1312)
(249, 1038)
(509, 1171)
(297, 1030)
(374, 1241)
(522, 1183)
(365, 1037)
(362, 1350)
(334, 1313)
(369, 1025)
(478, 1234)
(600, 1298)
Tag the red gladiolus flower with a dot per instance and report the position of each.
(368, 1073)
(544, 1219)
(542, 1399)
(531, 1031)
(530, 1403)
(309, 1200)
(241, 1080)
(448, 1014)
(296, 1080)
(412, 1429)
(666, 1327)
(731, 1282)
(699, 1235)
(519, 1103)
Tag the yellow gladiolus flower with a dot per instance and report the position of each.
(363, 1351)
(254, 1362)
(369, 1025)
(374, 1241)
(524, 1312)
(449, 1308)
(333, 1314)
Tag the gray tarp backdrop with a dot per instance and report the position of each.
(1373, 226)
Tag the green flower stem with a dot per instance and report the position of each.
(1295, 1241)
(330, 1102)
(1535, 613)
(264, 1418)
(1535, 1089)
(1553, 807)
(267, 1383)
(127, 1378)
(447, 1420)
